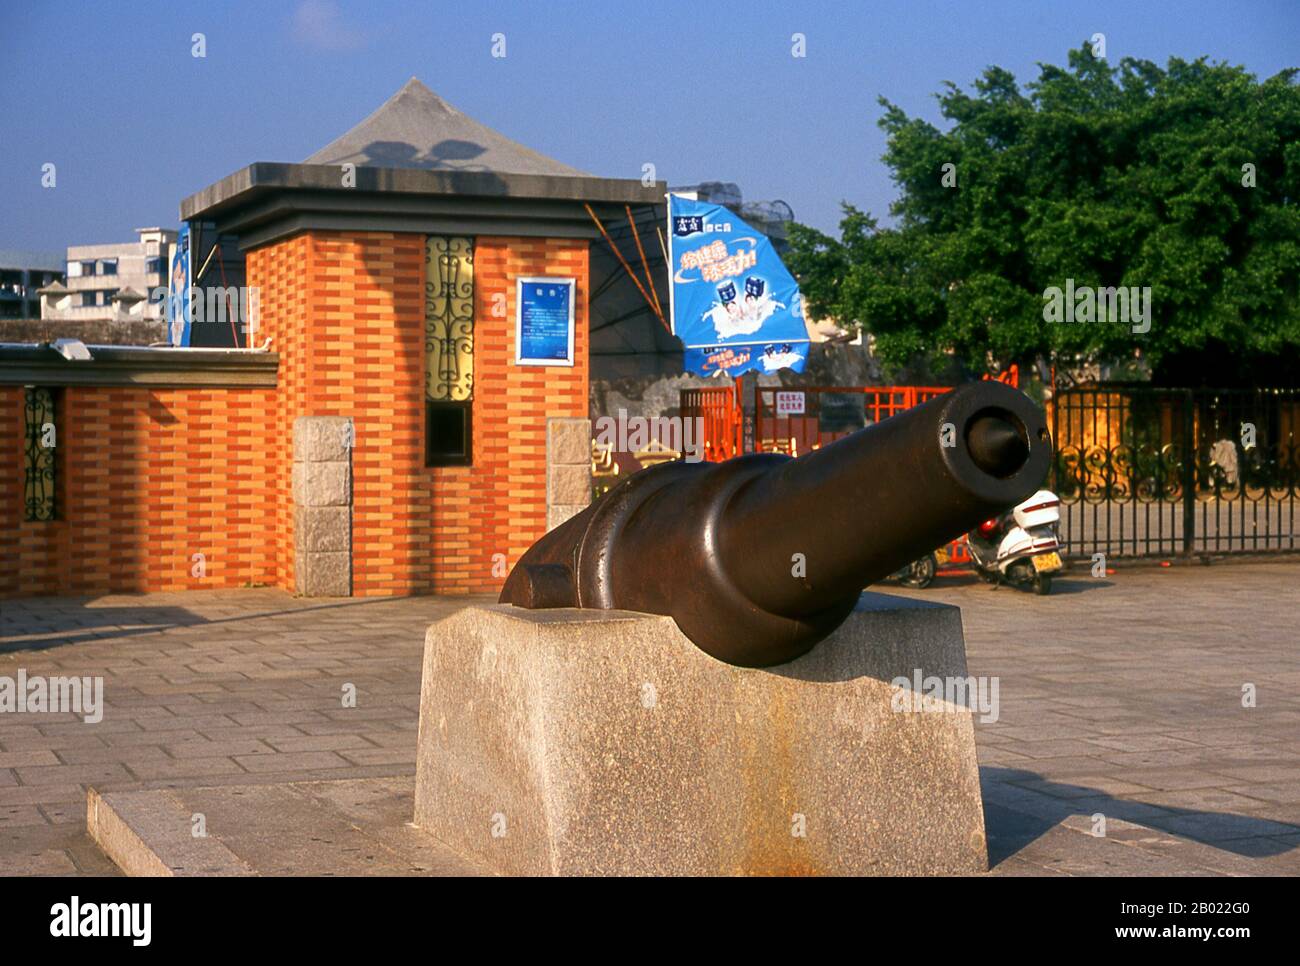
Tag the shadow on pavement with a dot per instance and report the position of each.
(1012, 825)
(73, 621)
(949, 579)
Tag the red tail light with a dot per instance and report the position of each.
(987, 527)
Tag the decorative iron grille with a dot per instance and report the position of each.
(1149, 471)
(38, 454)
(449, 318)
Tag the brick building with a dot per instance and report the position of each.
(389, 438)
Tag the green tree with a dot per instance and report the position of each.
(1183, 179)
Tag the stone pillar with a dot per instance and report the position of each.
(568, 468)
(322, 506)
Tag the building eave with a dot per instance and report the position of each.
(268, 200)
(37, 364)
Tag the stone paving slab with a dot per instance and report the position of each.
(348, 827)
(1122, 697)
(150, 834)
(1115, 694)
(181, 710)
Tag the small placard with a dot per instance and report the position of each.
(790, 404)
(544, 321)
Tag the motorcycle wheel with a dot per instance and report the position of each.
(921, 574)
(1021, 574)
(1043, 585)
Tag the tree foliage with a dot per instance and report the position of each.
(1111, 176)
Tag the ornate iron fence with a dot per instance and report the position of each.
(39, 441)
(1158, 472)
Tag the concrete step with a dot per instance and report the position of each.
(354, 827)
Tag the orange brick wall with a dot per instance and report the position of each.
(283, 319)
(498, 505)
(346, 313)
(146, 479)
(150, 477)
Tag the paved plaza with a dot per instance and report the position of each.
(1119, 697)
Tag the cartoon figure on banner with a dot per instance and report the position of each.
(178, 300)
(731, 316)
(178, 295)
(779, 356)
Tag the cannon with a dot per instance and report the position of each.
(760, 557)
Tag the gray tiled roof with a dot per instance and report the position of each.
(415, 128)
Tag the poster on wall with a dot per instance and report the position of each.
(544, 321)
(178, 290)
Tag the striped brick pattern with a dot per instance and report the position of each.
(281, 272)
(148, 478)
(498, 505)
(366, 360)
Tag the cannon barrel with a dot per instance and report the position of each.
(759, 558)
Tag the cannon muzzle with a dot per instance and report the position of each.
(759, 558)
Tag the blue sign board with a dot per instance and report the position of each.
(544, 321)
(734, 304)
(179, 315)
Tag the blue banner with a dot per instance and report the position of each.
(179, 315)
(734, 304)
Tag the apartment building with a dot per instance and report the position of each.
(111, 283)
(22, 275)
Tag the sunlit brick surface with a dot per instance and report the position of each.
(149, 478)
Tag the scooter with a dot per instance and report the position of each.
(1021, 547)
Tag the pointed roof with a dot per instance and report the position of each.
(415, 128)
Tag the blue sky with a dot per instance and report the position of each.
(110, 93)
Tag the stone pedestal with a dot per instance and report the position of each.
(604, 742)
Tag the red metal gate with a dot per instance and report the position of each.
(719, 408)
(795, 420)
(798, 420)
